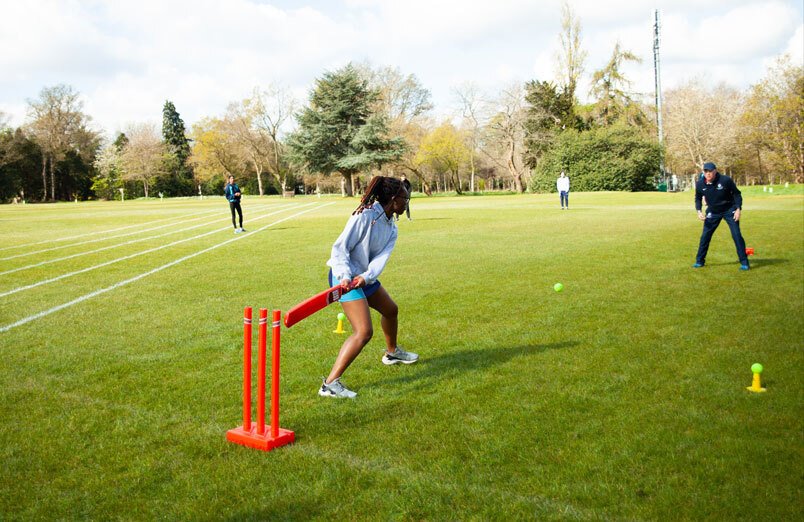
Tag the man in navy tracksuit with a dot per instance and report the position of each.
(723, 201)
(232, 192)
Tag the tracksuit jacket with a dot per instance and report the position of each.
(364, 246)
(721, 196)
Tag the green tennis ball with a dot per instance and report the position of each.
(756, 368)
(558, 287)
(341, 316)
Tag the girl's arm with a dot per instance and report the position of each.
(377, 264)
(354, 230)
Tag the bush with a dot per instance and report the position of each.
(607, 158)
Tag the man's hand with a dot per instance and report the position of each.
(737, 215)
(701, 216)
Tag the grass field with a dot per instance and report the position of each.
(621, 398)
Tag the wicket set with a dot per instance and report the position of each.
(256, 434)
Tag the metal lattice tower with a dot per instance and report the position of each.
(657, 81)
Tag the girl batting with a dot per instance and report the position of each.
(358, 257)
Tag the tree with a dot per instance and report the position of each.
(609, 86)
(406, 105)
(271, 111)
(548, 111)
(618, 157)
(58, 125)
(339, 132)
(445, 152)
(700, 125)
(256, 147)
(178, 177)
(143, 157)
(771, 128)
(570, 59)
(505, 135)
(474, 110)
(215, 152)
(109, 172)
(19, 160)
(401, 99)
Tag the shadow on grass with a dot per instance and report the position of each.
(287, 511)
(758, 263)
(755, 263)
(431, 369)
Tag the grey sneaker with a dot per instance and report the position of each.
(399, 356)
(336, 389)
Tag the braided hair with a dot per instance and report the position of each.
(381, 189)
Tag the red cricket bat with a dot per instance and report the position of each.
(310, 306)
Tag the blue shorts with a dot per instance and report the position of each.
(357, 293)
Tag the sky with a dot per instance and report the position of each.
(127, 57)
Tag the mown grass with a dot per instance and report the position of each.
(622, 397)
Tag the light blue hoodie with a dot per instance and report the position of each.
(364, 246)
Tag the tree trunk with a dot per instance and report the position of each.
(350, 188)
(472, 173)
(457, 177)
(145, 188)
(52, 180)
(512, 169)
(44, 177)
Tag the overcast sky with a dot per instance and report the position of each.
(127, 57)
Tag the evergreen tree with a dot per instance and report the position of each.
(339, 131)
(178, 179)
(549, 112)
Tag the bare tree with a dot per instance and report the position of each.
(505, 135)
(255, 146)
(142, 159)
(700, 125)
(271, 110)
(772, 124)
(474, 110)
(57, 125)
(570, 59)
(406, 105)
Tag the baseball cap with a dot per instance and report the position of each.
(709, 166)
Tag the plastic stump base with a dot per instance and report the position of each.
(261, 442)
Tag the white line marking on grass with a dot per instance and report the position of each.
(100, 239)
(150, 272)
(79, 254)
(107, 263)
(96, 232)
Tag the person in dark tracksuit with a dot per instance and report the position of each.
(723, 201)
(232, 192)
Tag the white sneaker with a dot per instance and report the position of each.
(399, 356)
(237, 231)
(336, 389)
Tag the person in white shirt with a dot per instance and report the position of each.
(358, 257)
(563, 185)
